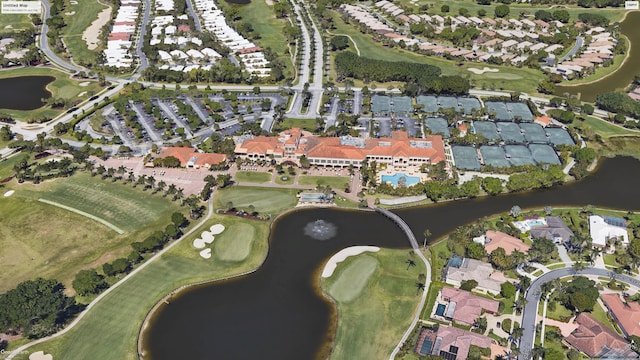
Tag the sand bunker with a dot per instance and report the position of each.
(69, 13)
(206, 253)
(86, 83)
(341, 255)
(91, 34)
(40, 355)
(217, 229)
(198, 243)
(73, 2)
(480, 72)
(9, 193)
(82, 94)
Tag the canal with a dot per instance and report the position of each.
(24, 92)
(279, 313)
(620, 78)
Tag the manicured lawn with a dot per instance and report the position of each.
(623, 145)
(610, 259)
(601, 315)
(110, 330)
(234, 244)
(11, 22)
(119, 204)
(252, 176)
(556, 266)
(265, 200)
(604, 128)
(370, 325)
(62, 87)
(560, 313)
(353, 279)
(38, 239)
(285, 179)
(343, 202)
(86, 12)
(288, 123)
(431, 298)
(336, 182)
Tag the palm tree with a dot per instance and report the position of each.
(519, 304)
(548, 210)
(517, 333)
(151, 182)
(132, 177)
(179, 194)
(578, 266)
(410, 263)
(161, 186)
(419, 286)
(172, 189)
(515, 211)
(426, 233)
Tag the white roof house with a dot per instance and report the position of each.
(164, 56)
(605, 228)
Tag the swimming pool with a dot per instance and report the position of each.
(537, 222)
(393, 179)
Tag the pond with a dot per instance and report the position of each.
(24, 92)
(620, 78)
(278, 312)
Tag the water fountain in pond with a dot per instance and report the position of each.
(320, 230)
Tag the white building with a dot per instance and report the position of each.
(605, 228)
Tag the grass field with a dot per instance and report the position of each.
(62, 87)
(38, 239)
(288, 123)
(336, 182)
(11, 22)
(265, 200)
(600, 314)
(560, 313)
(509, 78)
(371, 324)
(253, 177)
(234, 244)
(85, 13)
(280, 179)
(353, 279)
(110, 330)
(606, 129)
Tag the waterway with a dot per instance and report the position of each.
(278, 312)
(24, 92)
(620, 78)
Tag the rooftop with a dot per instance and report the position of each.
(596, 340)
(466, 306)
(482, 272)
(627, 314)
(497, 239)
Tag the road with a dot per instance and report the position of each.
(44, 43)
(533, 297)
(574, 49)
(146, 18)
(201, 114)
(194, 16)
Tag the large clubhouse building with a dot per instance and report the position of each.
(399, 151)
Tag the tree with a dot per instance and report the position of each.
(35, 307)
(419, 286)
(501, 11)
(476, 251)
(468, 285)
(427, 234)
(410, 263)
(507, 290)
(179, 219)
(587, 109)
(548, 210)
(585, 155)
(501, 260)
(517, 333)
(515, 211)
(493, 186)
(339, 42)
(88, 282)
(445, 8)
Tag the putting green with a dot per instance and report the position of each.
(353, 278)
(234, 244)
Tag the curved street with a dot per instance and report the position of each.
(533, 297)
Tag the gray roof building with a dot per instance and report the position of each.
(555, 230)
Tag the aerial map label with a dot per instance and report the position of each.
(21, 7)
(631, 5)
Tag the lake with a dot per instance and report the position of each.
(278, 312)
(24, 92)
(622, 77)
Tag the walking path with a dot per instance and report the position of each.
(19, 350)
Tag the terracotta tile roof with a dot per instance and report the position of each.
(468, 307)
(596, 340)
(543, 120)
(187, 155)
(460, 340)
(626, 314)
(184, 28)
(507, 242)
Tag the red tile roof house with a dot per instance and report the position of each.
(190, 158)
(453, 343)
(596, 340)
(464, 307)
(497, 239)
(626, 314)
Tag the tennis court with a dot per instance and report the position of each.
(510, 132)
(380, 104)
(500, 109)
(559, 136)
(493, 155)
(400, 104)
(437, 125)
(518, 109)
(430, 103)
(446, 102)
(534, 133)
(465, 157)
(544, 154)
(486, 129)
(468, 104)
(519, 155)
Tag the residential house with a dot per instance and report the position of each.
(597, 341)
(603, 228)
(493, 240)
(459, 270)
(626, 314)
(453, 344)
(555, 230)
(465, 308)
